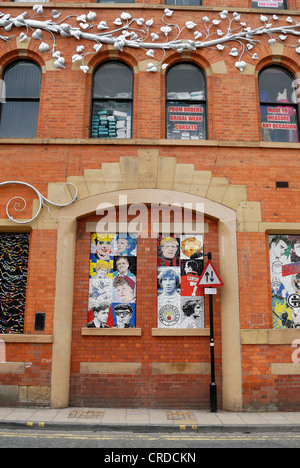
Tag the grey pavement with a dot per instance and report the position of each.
(147, 420)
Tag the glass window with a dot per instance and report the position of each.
(279, 4)
(184, 2)
(19, 114)
(186, 103)
(115, 1)
(14, 249)
(278, 109)
(112, 102)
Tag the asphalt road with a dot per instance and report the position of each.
(137, 448)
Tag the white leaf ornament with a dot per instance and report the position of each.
(224, 14)
(240, 65)
(168, 12)
(44, 47)
(190, 24)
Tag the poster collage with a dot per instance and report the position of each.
(284, 253)
(14, 252)
(112, 281)
(180, 300)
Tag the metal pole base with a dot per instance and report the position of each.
(213, 398)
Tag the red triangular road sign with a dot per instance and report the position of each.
(210, 276)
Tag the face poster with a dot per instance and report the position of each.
(284, 253)
(180, 300)
(112, 281)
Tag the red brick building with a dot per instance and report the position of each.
(134, 106)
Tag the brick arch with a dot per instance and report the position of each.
(149, 190)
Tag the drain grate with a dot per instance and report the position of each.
(181, 415)
(86, 414)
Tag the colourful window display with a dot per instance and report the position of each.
(112, 283)
(14, 250)
(285, 280)
(180, 300)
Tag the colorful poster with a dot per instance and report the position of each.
(285, 280)
(180, 300)
(112, 282)
(14, 251)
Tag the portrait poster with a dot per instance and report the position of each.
(112, 281)
(284, 252)
(180, 299)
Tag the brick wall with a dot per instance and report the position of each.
(234, 151)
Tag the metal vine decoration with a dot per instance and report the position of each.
(20, 205)
(221, 33)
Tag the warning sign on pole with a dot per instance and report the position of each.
(210, 276)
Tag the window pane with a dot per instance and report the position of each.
(23, 80)
(113, 80)
(279, 123)
(115, 1)
(111, 119)
(280, 4)
(186, 121)
(275, 85)
(14, 249)
(185, 82)
(19, 119)
(184, 2)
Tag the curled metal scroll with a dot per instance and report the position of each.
(43, 201)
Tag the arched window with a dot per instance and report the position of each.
(278, 105)
(19, 114)
(112, 101)
(186, 103)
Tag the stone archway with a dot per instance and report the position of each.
(230, 331)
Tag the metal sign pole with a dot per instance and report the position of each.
(213, 386)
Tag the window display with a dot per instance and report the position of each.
(185, 104)
(280, 4)
(112, 102)
(279, 112)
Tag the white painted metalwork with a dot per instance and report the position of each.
(43, 201)
(225, 32)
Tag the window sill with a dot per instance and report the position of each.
(180, 332)
(23, 338)
(111, 331)
(147, 142)
(271, 336)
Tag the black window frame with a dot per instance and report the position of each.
(187, 102)
(109, 99)
(272, 103)
(19, 98)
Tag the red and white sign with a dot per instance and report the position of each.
(210, 276)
